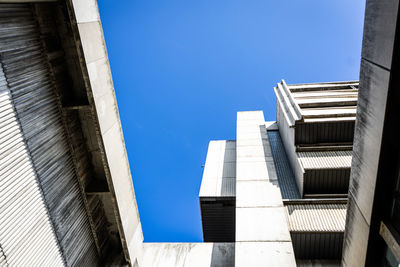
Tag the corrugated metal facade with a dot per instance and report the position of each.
(324, 132)
(3, 260)
(36, 108)
(26, 234)
(326, 181)
(317, 230)
(317, 245)
(218, 219)
(287, 182)
(319, 149)
(326, 172)
(316, 217)
(325, 159)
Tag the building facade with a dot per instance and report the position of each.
(279, 191)
(296, 191)
(372, 236)
(66, 194)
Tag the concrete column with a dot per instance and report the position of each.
(262, 234)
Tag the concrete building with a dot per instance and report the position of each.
(66, 194)
(372, 236)
(275, 196)
(279, 191)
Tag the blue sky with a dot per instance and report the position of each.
(182, 69)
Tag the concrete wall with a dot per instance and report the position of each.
(262, 235)
(220, 170)
(287, 135)
(378, 40)
(188, 255)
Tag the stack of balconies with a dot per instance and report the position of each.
(315, 137)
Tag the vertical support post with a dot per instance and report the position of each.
(262, 234)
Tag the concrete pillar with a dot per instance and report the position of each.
(262, 234)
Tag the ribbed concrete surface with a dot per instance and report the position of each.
(316, 217)
(325, 159)
(220, 170)
(26, 233)
(287, 181)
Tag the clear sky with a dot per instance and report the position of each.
(182, 69)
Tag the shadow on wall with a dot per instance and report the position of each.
(223, 255)
(286, 178)
(228, 185)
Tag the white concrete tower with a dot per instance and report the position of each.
(262, 235)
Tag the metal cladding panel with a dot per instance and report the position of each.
(317, 245)
(325, 159)
(36, 108)
(218, 219)
(317, 230)
(326, 181)
(316, 217)
(324, 132)
(287, 181)
(326, 172)
(27, 237)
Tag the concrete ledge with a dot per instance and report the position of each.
(261, 254)
(86, 11)
(188, 254)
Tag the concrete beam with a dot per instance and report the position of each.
(85, 20)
